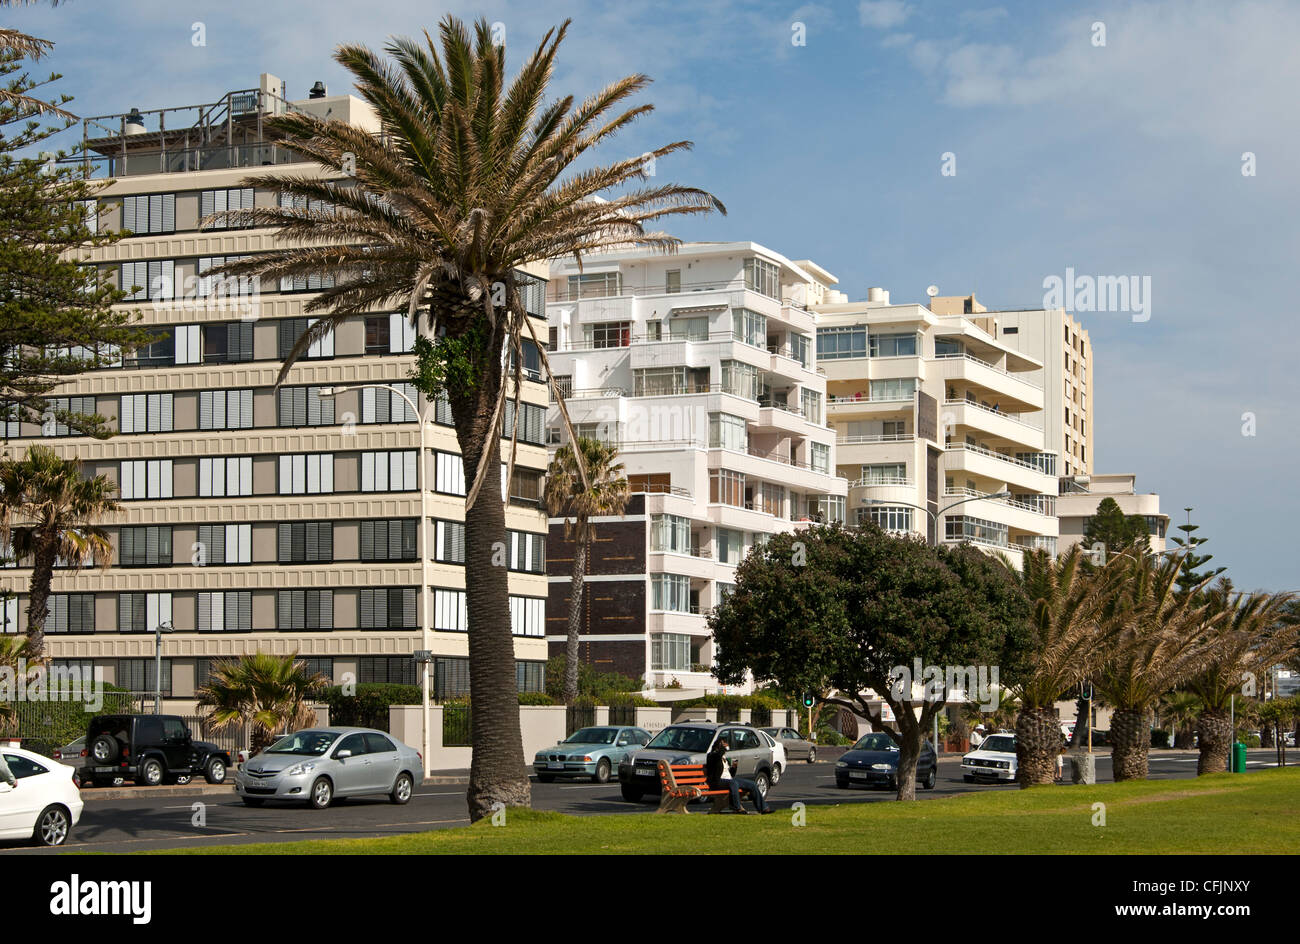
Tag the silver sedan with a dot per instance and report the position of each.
(319, 764)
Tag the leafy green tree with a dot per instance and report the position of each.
(48, 512)
(472, 179)
(1115, 530)
(602, 491)
(1190, 574)
(268, 692)
(846, 610)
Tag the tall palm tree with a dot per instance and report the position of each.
(48, 513)
(266, 691)
(1247, 638)
(1070, 641)
(604, 492)
(16, 659)
(1161, 644)
(1181, 708)
(469, 179)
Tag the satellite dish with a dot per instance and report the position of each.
(932, 291)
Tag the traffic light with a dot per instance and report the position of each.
(809, 699)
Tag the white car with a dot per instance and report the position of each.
(45, 803)
(778, 755)
(993, 760)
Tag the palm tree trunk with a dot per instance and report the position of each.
(1038, 742)
(1183, 737)
(38, 608)
(1130, 732)
(1082, 722)
(575, 622)
(1215, 728)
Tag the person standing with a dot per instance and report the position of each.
(977, 737)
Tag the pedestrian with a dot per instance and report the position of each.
(6, 774)
(977, 737)
(718, 773)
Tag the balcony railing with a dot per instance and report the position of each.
(836, 401)
(1013, 417)
(657, 489)
(881, 480)
(983, 363)
(1050, 512)
(874, 438)
(980, 450)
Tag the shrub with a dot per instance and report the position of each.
(368, 708)
(535, 698)
(1159, 737)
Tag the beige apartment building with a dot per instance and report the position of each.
(1081, 494)
(285, 520)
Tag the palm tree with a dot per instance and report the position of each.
(604, 492)
(437, 214)
(1070, 641)
(1181, 708)
(16, 659)
(268, 692)
(1160, 644)
(47, 513)
(1247, 639)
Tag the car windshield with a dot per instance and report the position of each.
(1000, 743)
(592, 736)
(694, 740)
(306, 743)
(875, 742)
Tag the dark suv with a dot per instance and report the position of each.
(153, 749)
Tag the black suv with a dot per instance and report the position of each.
(153, 749)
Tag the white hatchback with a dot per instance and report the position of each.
(45, 803)
(994, 759)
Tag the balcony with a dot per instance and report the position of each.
(993, 465)
(1018, 394)
(867, 406)
(995, 423)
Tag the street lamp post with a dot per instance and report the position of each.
(934, 515)
(164, 627)
(426, 643)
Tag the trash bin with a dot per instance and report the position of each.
(1238, 758)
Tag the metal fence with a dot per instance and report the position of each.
(729, 713)
(455, 725)
(47, 724)
(761, 717)
(579, 717)
(622, 714)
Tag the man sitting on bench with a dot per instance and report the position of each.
(719, 776)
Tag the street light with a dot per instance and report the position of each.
(164, 627)
(934, 515)
(426, 643)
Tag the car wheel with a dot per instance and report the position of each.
(931, 778)
(322, 793)
(151, 773)
(52, 826)
(253, 801)
(104, 749)
(632, 794)
(402, 789)
(602, 771)
(776, 773)
(812, 755)
(546, 778)
(215, 772)
(762, 780)
(968, 778)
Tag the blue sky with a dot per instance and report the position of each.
(1122, 159)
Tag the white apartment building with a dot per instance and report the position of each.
(931, 411)
(1081, 494)
(701, 366)
(263, 518)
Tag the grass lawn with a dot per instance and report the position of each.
(1257, 812)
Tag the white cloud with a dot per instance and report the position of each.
(883, 14)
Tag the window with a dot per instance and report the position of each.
(1010, 330)
(143, 612)
(840, 343)
(10, 425)
(226, 409)
(393, 471)
(222, 201)
(148, 281)
(763, 277)
(669, 381)
(526, 489)
(821, 458)
(146, 478)
(671, 533)
(810, 402)
(966, 528)
(291, 329)
(224, 544)
(388, 539)
(948, 347)
(887, 473)
(607, 334)
(731, 546)
(688, 329)
(9, 615)
(387, 406)
(800, 347)
(532, 293)
(305, 609)
(1045, 462)
(228, 343)
(892, 345)
(450, 678)
(670, 592)
(894, 430)
(449, 611)
(78, 406)
(449, 542)
(306, 205)
(750, 327)
(144, 546)
(887, 517)
(307, 474)
(740, 379)
(527, 552)
(771, 499)
(607, 433)
(442, 410)
(670, 652)
(728, 432)
(304, 406)
(530, 676)
(379, 334)
(224, 286)
(532, 366)
(71, 613)
(149, 213)
(898, 388)
(595, 285)
(226, 477)
(229, 611)
(389, 608)
(449, 475)
(139, 675)
(673, 281)
(391, 670)
(306, 542)
(532, 423)
(827, 508)
(528, 616)
(306, 283)
(727, 488)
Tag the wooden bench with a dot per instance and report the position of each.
(681, 783)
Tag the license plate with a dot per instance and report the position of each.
(105, 770)
(648, 771)
(554, 765)
(859, 774)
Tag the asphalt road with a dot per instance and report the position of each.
(159, 821)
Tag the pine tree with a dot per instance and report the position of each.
(1116, 530)
(1189, 574)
